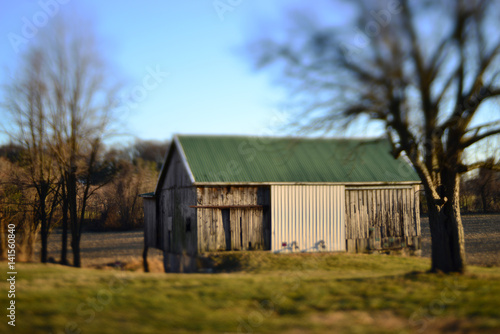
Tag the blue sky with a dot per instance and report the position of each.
(205, 80)
(210, 87)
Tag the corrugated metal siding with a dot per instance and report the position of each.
(304, 215)
(261, 159)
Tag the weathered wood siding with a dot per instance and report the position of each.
(233, 228)
(150, 225)
(382, 218)
(307, 218)
(177, 231)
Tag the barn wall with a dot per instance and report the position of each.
(176, 220)
(307, 218)
(150, 239)
(382, 218)
(233, 228)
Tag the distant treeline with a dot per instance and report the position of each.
(120, 176)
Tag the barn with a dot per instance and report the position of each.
(219, 193)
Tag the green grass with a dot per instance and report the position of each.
(303, 293)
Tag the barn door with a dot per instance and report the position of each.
(307, 218)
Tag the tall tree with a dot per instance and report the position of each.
(425, 71)
(26, 103)
(78, 96)
(83, 97)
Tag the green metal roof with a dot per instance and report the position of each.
(221, 159)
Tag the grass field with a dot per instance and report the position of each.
(296, 293)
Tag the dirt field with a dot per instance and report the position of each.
(482, 239)
(482, 242)
(108, 249)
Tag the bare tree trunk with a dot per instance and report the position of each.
(145, 258)
(73, 215)
(44, 237)
(42, 212)
(64, 242)
(75, 246)
(448, 249)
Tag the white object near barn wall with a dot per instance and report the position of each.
(307, 218)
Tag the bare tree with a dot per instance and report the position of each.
(26, 104)
(77, 96)
(83, 97)
(425, 71)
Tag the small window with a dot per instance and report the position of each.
(188, 225)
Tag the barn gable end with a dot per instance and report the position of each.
(170, 223)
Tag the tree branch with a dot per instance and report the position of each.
(468, 142)
(483, 126)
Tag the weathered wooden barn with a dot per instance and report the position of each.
(218, 193)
